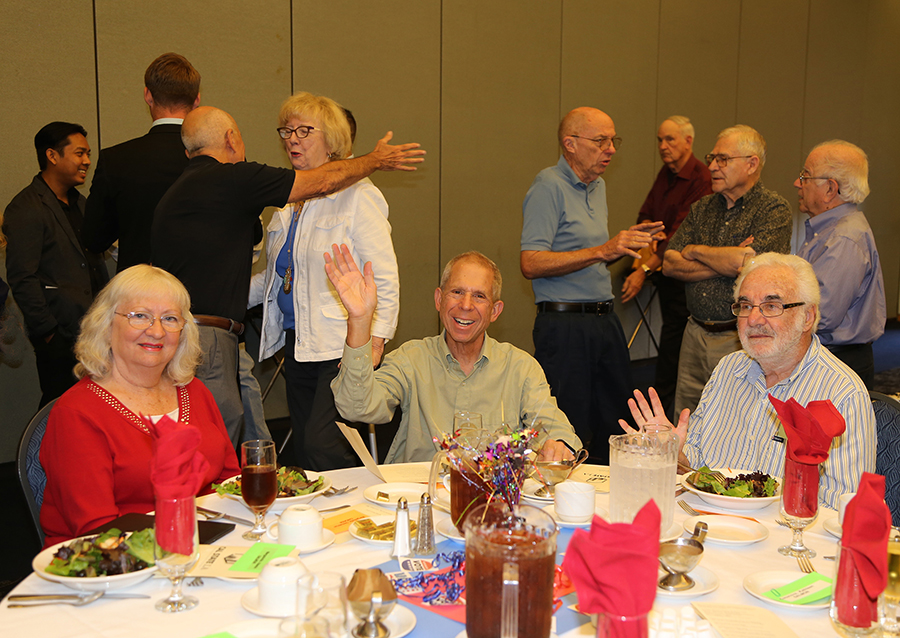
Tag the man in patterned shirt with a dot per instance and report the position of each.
(740, 219)
(777, 308)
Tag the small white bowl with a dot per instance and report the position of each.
(732, 502)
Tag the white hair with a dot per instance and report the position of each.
(683, 123)
(848, 165)
(804, 277)
(748, 140)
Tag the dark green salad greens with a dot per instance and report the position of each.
(752, 485)
(292, 481)
(111, 553)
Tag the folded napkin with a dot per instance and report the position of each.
(863, 571)
(809, 430)
(614, 567)
(177, 471)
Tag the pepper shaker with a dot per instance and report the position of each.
(425, 528)
(401, 530)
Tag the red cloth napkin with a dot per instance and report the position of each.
(809, 430)
(614, 567)
(177, 471)
(863, 570)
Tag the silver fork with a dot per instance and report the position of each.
(687, 508)
(195, 582)
(717, 475)
(782, 523)
(805, 563)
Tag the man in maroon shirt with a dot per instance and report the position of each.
(681, 181)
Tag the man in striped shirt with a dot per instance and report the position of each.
(777, 309)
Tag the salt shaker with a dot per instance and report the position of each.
(401, 530)
(425, 528)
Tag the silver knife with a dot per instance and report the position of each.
(227, 517)
(38, 597)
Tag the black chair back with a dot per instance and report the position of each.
(32, 477)
(887, 456)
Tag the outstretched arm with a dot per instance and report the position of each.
(357, 291)
(334, 176)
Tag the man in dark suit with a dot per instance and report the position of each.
(53, 277)
(132, 177)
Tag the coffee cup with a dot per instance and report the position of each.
(278, 586)
(843, 499)
(573, 501)
(298, 525)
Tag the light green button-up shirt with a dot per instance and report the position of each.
(422, 377)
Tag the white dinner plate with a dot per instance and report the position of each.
(832, 526)
(447, 529)
(705, 581)
(729, 530)
(378, 520)
(282, 503)
(529, 487)
(599, 511)
(759, 583)
(97, 583)
(412, 492)
(731, 502)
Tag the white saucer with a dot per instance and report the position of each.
(401, 621)
(672, 533)
(412, 492)
(327, 540)
(759, 583)
(447, 529)
(250, 602)
(529, 487)
(729, 530)
(705, 581)
(599, 511)
(832, 526)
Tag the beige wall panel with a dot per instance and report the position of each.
(770, 86)
(610, 61)
(499, 111)
(38, 84)
(242, 51)
(699, 46)
(880, 137)
(389, 84)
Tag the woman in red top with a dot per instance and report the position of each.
(137, 352)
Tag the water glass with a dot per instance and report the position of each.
(642, 467)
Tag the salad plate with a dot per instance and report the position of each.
(705, 581)
(283, 502)
(759, 583)
(96, 583)
(731, 502)
(529, 492)
(729, 530)
(447, 529)
(833, 527)
(378, 520)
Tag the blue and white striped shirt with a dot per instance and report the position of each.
(736, 426)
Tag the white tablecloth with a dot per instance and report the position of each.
(220, 601)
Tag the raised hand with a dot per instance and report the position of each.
(644, 413)
(356, 289)
(396, 158)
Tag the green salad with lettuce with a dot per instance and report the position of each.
(752, 485)
(111, 553)
(292, 481)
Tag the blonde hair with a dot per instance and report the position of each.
(94, 349)
(327, 112)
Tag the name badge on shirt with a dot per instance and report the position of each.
(778, 439)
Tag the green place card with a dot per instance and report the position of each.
(809, 589)
(258, 555)
(221, 634)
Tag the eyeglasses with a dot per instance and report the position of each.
(766, 308)
(804, 177)
(301, 131)
(722, 160)
(143, 320)
(603, 142)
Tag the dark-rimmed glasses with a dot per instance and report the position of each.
(143, 320)
(302, 132)
(766, 308)
(603, 142)
(722, 160)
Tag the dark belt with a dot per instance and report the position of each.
(220, 322)
(595, 308)
(716, 326)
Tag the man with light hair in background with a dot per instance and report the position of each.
(682, 180)
(740, 219)
(565, 247)
(841, 248)
(776, 302)
(203, 231)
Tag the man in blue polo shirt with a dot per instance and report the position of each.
(578, 339)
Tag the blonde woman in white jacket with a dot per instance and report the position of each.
(301, 309)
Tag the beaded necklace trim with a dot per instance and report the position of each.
(184, 406)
